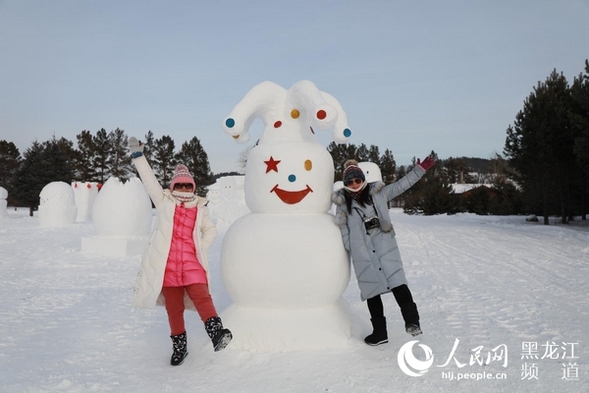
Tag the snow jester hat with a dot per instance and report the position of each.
(288, 170)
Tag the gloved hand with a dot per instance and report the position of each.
(136, 147)
(427, 163)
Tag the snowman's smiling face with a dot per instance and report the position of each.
(290, 197)
(295, 177)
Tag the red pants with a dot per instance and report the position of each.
(200, 296)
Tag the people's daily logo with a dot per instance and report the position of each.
(409, 364)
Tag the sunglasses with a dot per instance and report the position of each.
(354, 181)
(187, 186)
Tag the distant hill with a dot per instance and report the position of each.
(475, 164)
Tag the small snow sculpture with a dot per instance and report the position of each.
(3, 202)
(85, 194)
(57, 206)
(122, 217)
(227, 200)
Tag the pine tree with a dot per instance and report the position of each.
(43, 163)
(362, 153)
(539, 146)
(119, 161)
(374, 155)
(100, 161)
(149, 143)
(29, 177)
(195, 158)
(86, 153)
(456, 170)
(388, 166)
(164, 161)
(9, 164)
(580, 122)
(340, 153)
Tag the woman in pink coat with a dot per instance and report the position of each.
(174, 268)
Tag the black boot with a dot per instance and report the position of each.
(411, 318)
(379, 333)
(219, 336)
(180, 350)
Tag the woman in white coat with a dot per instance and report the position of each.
(174, 268)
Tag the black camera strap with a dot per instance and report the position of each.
(361, 213)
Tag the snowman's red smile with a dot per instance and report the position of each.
(291, 197)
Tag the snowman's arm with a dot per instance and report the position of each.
(152, 185)
(395, 189)
(207, 228)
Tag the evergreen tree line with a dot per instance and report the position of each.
(434, 194)
(548, 147)
(95, 158)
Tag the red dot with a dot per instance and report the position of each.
(89, 185)
(277, 124)
(321, 114)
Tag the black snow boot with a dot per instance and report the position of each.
(219, 336)
(180, 350)
(411, 318)
(379, 333)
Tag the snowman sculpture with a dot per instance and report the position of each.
(284, 264)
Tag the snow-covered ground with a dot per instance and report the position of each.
(490, 289)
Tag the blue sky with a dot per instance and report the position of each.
(412, 76)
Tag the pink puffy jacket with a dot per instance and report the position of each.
(183, 267)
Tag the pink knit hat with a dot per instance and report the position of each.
(182, 175)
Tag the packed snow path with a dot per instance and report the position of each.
(486, 283)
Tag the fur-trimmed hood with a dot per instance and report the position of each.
(380, 204)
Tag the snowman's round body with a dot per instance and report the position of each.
(279, 261)
(284, 264)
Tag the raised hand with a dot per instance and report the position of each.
(136, 147)
(427, 163)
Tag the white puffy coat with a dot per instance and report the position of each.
(150, 278)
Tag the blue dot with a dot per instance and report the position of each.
(347, 132)
(230, 122)
(292, 178)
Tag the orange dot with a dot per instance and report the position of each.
(308, 165)
(235, 136)
(321, 114)
(295, 113)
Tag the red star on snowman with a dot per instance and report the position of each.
(272, 164)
